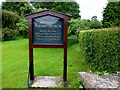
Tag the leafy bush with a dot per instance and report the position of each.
(9, 19)
(101, 48)
(23, 27)
(9, 34)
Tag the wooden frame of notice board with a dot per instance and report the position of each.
(55, 44)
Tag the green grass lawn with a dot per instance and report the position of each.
(73, 36)
(48, 62)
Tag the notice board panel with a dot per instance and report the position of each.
(48, 30)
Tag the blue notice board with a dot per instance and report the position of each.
(47, 30)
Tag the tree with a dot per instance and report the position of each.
(111, 15)
(20, 7)
(95, 24)
(38, 5)
(71, 8)
(78, 25)
(94, 18)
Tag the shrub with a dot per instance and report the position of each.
(9, 19)
(101, 48)
(22, 26)
(9, 34)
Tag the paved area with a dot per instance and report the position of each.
(47, 82)
(72, 38)
(90, 80)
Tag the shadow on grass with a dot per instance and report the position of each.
(72, 42)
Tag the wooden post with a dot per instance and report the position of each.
(31, 69)
(65, 53)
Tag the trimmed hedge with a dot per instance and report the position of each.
(101, 48)
(9, 34)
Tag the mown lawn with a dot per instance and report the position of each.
(48, 62)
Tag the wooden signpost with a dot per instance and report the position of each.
(47, 29)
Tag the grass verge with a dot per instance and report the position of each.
(47, 62)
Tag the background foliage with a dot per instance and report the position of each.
(9, 30)
(111, 15)
(83, 24)
(101, 48)
(20, 8)
(71, 8)
(9, 34)
(9, 19)
(22, 25)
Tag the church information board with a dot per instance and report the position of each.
(48, 30)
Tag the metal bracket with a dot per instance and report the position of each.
(30, 83)
(65, 84)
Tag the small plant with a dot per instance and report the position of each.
(101, 73)
(80, 85)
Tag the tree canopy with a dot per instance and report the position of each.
(71, 8)
(20, 7)
(94, 18)
(111, 15)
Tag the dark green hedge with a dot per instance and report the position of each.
(101, 48)
(9, 34)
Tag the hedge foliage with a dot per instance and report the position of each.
(9, 19)
(9, 34)
(101, 48)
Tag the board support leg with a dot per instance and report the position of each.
(31, 71)
(65, 68)
(65, 54)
